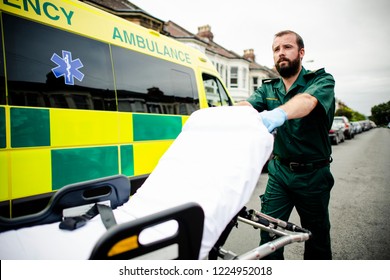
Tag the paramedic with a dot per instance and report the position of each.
(301, 106)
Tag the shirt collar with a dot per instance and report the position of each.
(300, 81)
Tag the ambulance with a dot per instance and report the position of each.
(85, 94)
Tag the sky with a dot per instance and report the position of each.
(350, 38)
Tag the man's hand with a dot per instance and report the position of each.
(274, 118)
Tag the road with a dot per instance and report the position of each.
(359, 207)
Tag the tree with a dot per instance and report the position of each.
(356, 116)
(344, 111)
(380, 114)
(353, 116)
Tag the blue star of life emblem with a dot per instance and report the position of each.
(67, 67)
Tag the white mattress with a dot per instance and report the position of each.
(215, 161)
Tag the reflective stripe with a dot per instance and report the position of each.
(30, 127)
(156, 127)
(82, 164)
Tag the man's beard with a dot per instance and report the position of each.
(291, 69)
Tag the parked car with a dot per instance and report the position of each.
(346, 125)
(357, 127)
(336, 133)
(366, 125)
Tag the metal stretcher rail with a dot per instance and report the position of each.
(284, 233)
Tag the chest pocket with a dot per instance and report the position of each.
(272, 103)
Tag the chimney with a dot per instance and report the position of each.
(205, 32)
(250, 55)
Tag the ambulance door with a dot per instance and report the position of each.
(216, 94)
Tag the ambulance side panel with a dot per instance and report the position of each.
(85, 94)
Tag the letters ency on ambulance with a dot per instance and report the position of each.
(150, 45)
(54, 12)
(48, 9)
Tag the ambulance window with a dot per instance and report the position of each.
(2, 76)
(151, 85)
(215, 93)
(48, 67)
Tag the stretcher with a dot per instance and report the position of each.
(184, 210)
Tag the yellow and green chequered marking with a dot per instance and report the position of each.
(49, 148)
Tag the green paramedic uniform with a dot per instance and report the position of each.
(299, 174)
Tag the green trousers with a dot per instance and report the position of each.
(309, 192)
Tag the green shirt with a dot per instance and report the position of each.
(304, 139)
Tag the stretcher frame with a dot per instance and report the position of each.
(189, 216)
(122, 240)
(282, 233)
(113, 189)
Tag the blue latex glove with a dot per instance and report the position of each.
(274, 118)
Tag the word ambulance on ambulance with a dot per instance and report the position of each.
(85, 94)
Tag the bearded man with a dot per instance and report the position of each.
(301, 105)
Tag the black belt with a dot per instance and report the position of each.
(106, 214)
(304, 166)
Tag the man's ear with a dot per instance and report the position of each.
(302, 53)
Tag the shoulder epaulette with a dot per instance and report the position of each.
(315, 72)
(270, 80)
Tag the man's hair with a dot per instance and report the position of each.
(300, 43)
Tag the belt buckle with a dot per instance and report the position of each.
(294, 166)
(301, 167)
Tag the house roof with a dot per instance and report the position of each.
(119, 7)
(115, 5)
(271, 72)
(178, 32)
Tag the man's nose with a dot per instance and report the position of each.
(282, 52)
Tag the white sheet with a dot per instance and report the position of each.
(216, 161)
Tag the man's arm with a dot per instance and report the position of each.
(299, 106)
